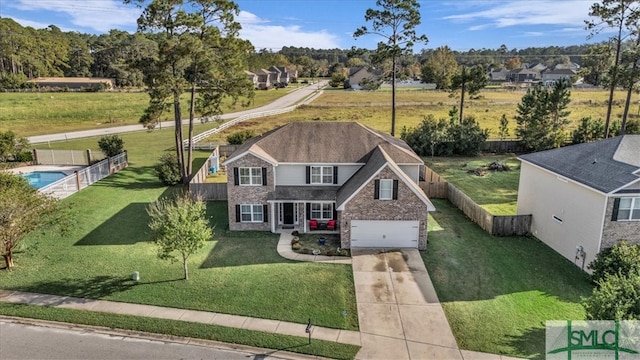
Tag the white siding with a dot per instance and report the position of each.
(413, 171)
(544, 195)
(297, 174)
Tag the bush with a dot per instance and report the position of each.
(296, 246)
(621, 258)
(24, 156)
(111, 145)
(239, 137)
(617, 297)
(168, 169)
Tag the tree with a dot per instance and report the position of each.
(427, 138)
(503, 129)
(180, 228)
(588, 130)
(629, 76)
(440, 68)
(111, 145)
(615, 298)
(595, 64)
(11, 144)
(370, 83)
(395, 22)
(23, 210)
(168, 169)
(513, 63)
(198, 48)
(622, 258)
(542, 117)
(471, 82)
(623, 16)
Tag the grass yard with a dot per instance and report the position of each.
(185, 329)
(497, 292)
(497, 192)
(237, 273)
(70, 111)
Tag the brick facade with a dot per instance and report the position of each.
(614, 231)
(248, 194)
(363, 206)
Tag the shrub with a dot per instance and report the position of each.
(168, 169)
(239, 137)
(24, 156)
(111, 145)
(296, 246)
(295, 240)
(295, 233)
(329, 253)
(617, 297)
(621, 258)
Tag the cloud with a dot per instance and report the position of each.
(99, 15)
(33, 24)
(263, 34)
(515, 13)
(533, 33)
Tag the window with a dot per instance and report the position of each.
(322, 174)
(386, 189)
(250, 175)
(251, 213)
(322, 211)
(627, 209)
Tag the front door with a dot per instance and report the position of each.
(287, 213)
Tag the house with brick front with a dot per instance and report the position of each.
(341, 177)
(583, 198)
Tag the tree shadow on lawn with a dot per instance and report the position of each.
(133, 178)
(531, 344)
(240, 251)
(92, 288)
(127, 227)
(467, 264)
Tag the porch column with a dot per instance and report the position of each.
(304, 217)
(273, 217)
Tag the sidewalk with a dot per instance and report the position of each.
(235, 321)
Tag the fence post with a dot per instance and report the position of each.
(35, 156)
(77, 180)
(88, 156)
(109, 165)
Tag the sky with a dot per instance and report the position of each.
(328, 24)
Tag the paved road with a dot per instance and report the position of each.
(282, 102)
(19, 341)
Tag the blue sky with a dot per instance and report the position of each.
(460, 24)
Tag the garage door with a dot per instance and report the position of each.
(384, 234)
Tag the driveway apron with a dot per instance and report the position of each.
(398, 309)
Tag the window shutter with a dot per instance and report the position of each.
(237, 213)
(335, 212)
(265, 213)
(376, 189)
(236, 178)
(308, 174)
(395, 189)
(616, 205)
(308, 210)
(264, 176)
(335, 174)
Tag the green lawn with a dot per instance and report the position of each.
(70, 111)
(237, 273)
(497, 292)
(497, 192)
(185, 329)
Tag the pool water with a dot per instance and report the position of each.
(40, 179)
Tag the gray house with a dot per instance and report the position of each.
(523, 75)
(550, 76)
(583, 198)
(356, 75)
(337, 176)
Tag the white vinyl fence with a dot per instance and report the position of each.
(85, 177)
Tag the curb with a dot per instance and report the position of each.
(157, 337)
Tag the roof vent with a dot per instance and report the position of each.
(594, 161)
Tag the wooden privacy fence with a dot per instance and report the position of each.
(436, 187)
(208, 191)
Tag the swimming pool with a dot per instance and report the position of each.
(40, 179)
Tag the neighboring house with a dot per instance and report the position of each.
(550, 76)
(356, 75)
(264, 79)
(539, 67)
(583, 198)
(275, 75)
(573, 66)
(498, 75)
(252, 77)
(523, 75)
(285, 75)
(74, 82)
(315, 172)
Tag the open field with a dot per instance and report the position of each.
(69, 111)
(110, 240)
(374, 109)
(497, 292)
(497, 192)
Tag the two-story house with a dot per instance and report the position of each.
(303, 172)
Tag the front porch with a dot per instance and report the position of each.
(304, 216)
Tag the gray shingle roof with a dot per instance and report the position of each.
(376, 161)
(320, 193)
(327, 142)
(604, 165)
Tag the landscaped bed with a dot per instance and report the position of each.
(496, 191)
(318, 244)
(497, 292)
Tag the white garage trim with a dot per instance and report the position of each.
(385, 233)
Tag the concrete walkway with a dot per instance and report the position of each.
(235, 321)
(284, 249)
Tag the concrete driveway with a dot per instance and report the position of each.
(398, 309)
